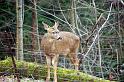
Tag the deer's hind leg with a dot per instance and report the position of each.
(74, 59)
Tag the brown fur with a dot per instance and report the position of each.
(68, 44)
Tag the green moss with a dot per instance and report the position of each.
(27, 69)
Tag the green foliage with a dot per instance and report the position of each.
(40, 71)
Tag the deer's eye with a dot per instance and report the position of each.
(55, 32)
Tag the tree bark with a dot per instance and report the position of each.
(73, 14)
(35, 33)
(19, 30)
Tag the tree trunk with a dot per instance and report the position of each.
(19, 30)
(35, 33)
(73, 14)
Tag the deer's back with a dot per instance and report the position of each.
(68, 43)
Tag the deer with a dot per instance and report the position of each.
(55, 43)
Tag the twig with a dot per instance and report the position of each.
(65, 17)
(99, 31)
(94, 27)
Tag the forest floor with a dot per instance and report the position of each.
(8, 79)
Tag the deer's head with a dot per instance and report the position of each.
(53, 31)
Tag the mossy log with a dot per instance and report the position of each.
(37, 71)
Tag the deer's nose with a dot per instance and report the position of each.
(59, 38)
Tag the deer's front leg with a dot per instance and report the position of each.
(48, 59)
(54, 63)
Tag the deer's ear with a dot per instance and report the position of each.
(56, 24)
(45, 26)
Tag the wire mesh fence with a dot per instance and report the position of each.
(101, 62)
